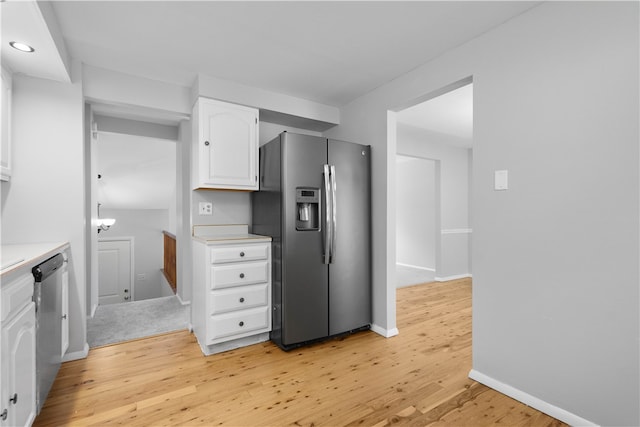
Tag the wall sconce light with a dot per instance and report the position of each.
(104, 223)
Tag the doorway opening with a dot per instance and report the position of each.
(134, 184)
(433, 187)
(416, 219)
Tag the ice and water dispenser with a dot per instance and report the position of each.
(308, 209)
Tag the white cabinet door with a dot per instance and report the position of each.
(19, 357)
(226, 145)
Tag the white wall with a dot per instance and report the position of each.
(555, 258)
(454, 240)
(44, 201)
(268, 131)
(416, 212)
(136, 172)
(145, 226)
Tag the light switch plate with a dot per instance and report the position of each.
(501, 180)
(205, 208)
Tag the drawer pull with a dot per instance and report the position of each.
(241, 323)
(242, 275)
(241, 254)
(242, 299)
(14, 399)
(4, 415)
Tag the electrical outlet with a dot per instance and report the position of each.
(142, 276)
(205, 208)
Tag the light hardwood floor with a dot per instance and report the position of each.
(417, 378)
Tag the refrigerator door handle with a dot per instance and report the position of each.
(326, 230)
(334, 218)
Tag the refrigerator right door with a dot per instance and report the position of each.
(350, 270)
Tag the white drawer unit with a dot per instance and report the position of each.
(231, 305)
(239, 274)
(238, 323)
(237, 253)
(239, 298)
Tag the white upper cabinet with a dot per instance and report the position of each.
(225, 146)
(5, 127)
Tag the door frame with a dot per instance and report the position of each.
(130, 239)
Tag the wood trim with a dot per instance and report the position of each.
(169, 263)
(166, 233)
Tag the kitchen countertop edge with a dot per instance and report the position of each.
(31, 254)
(233, 238)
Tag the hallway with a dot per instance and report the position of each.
(115, 323)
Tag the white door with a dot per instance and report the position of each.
(114, 271)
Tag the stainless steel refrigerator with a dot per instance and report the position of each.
(315, 202)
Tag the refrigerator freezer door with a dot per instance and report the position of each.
(350, 270)
(304, 276)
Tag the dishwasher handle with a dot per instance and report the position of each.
(47, 268)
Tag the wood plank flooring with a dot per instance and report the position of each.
(418, 378)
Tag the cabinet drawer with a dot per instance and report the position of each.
(225, 276)
(239, 253)
(237, 323)
(239, 298)
(16, 295)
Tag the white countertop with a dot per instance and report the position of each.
(226, 234)
(16, 257)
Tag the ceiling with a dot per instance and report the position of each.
(450, 115)
(327, 52)
(36, 25)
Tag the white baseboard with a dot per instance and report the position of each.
(183, 302)
(454, 277)
(208, 350)
(77, 355)
(456, 231)
(527, 399)
(93, 310)
(387, 333)
(415, 266)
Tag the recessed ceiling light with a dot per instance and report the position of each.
(21, 47)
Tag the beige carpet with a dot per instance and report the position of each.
(126, 321)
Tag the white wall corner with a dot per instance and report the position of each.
(51, 21)
(77, 355)
(94, 307)
(182, 301)
(387, 333)
(521, 396)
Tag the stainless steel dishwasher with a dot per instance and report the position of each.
(48, 299)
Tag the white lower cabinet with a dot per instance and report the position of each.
(18, 358)
(231, 304)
